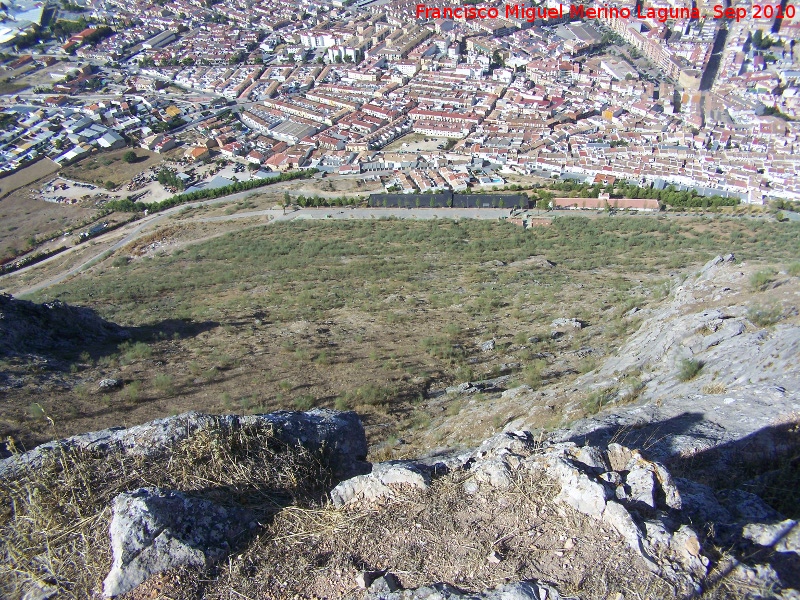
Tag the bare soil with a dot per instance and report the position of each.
(109, 166)
(24, 216)
(38, 170)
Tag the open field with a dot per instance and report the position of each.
(375, 315)
(8, 88)
(23, 217)
(26, 176)
(109, 166)
(415, 142)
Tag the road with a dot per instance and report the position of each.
(143, 226)
(136, 230)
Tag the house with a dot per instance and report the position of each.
(111, 140)
(197, 153)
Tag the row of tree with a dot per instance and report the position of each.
(128, 205)
(669, 196)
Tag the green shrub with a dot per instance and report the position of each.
(761, 279)
(305, 402)
(764, 316)
(133, 391)
(793, 269)
(135, 351)
(689, 369)
(36, 411)
(164, 384)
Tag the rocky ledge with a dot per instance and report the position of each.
(672, 526)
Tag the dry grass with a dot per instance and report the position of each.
(715, 388)
(26, 176)
(109, 166)
(54, 520)
(440, 535)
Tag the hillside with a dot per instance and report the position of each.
(664, 487)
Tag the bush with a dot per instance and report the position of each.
(305, 402)
(120, 261)
(760, 280)
(129, 156)
(135, 351)
(689, 369)
(164, 384)
(764, 316)
(793, 269)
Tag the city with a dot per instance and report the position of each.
(425, 104)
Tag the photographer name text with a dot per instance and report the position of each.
(578, 11)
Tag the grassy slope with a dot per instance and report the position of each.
(367, 315)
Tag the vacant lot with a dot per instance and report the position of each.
(415, 142)
(8, 88)
(26, 219)
(38, 170)
(109, 166)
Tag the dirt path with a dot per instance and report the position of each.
(142, 227)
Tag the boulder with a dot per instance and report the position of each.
(340, 434)
(521, 590)
(379, 483)
(153, 530)
(109, 384)
(564, 322)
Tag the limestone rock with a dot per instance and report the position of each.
(341, 434)
(109, 384)
(522, 590)
(578, 489)
(516, 392)
(563, 322)
(488, 345)
(780, 537)
(44, 329)
(378, 484)
(153, 530)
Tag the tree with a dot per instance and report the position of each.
(129, 156)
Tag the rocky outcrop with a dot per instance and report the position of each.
(388, 588)
(153, 530)
(654, 513)
(340, 434)
(381, 482)
(746, 388)
(29, 328)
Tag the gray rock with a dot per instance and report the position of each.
(642, 485)
(488, 345)
(27, 328)
(620, 519)
(153, 530)
(745, 369)
(384, 585)
(496, 384)
(515, 392)
(341, 434)
(780, 537)
(577, 489)
(109, 384)
(564, 322)
(521, 590)
(379, 483)
(744, 506)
